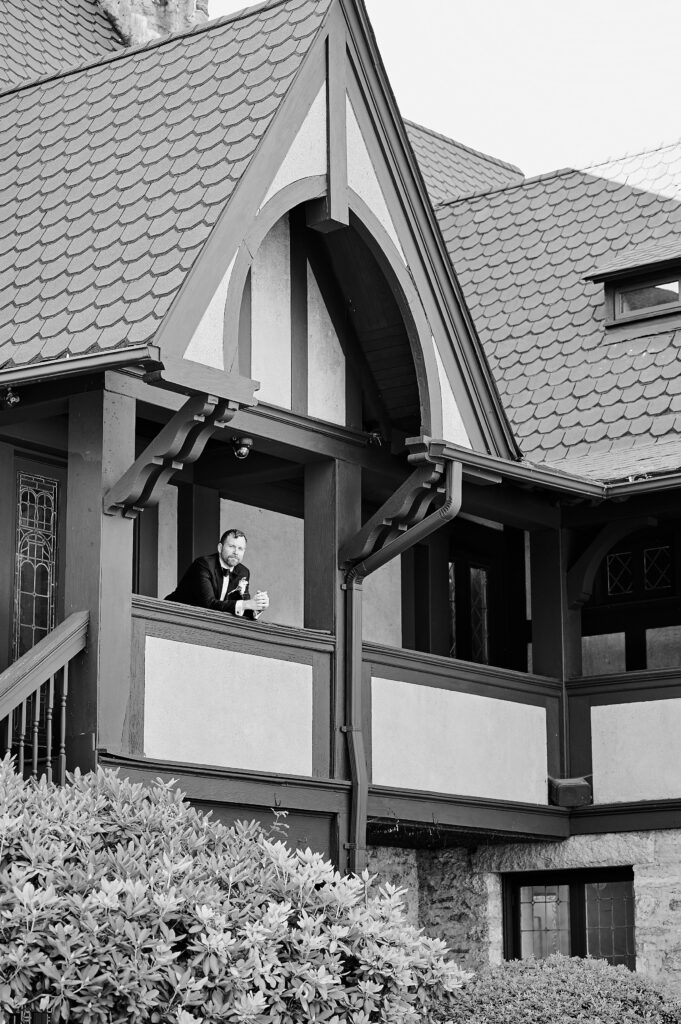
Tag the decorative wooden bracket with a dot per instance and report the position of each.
(402, 521)
(407, 506)
(581, 576)
(180, 442)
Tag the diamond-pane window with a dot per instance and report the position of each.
(620, 573)
(35, 567)
(657, 568)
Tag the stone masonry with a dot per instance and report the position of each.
(456, 893)
(139, 21)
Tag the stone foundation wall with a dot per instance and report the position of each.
(456, 893)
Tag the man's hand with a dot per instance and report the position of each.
(257, 603)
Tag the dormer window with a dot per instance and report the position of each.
(656, 295)
(640, 284)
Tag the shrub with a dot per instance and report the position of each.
(563, 989)
(121, 903)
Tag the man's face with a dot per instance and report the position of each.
(233, 550)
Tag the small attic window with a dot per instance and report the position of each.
(632, 299)
(641, 283)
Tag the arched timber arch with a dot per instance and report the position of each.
(389, 260)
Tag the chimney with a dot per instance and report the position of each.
(138, 21)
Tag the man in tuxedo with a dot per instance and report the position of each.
(220, 581)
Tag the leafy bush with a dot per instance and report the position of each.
(562, 989)
(120, 903)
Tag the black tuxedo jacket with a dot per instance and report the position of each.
(201, 585)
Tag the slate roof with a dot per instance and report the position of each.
(451, 170)
(657, 170)
(575, 394)
(41, 38)
(117, 173)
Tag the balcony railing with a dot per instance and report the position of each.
(217, 690)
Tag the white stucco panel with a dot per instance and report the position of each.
(210, 706)
(443, 741)
(636, 751)
(382, 605)
(206, 344)
(271, 316)
(453, 427)
(325, 359)
(362, 177)
(307, 155)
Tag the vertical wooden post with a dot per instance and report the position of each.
(556, 628)
(198, 524)
(7, 545)
(332, 515)
(98, 572)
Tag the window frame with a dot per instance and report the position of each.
(575, 879)
(615, 287)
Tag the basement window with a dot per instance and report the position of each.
(576, 913)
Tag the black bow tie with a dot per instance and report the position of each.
(225, 572)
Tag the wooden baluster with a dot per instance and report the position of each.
(22, 737)
(61, 760)
(7, 733)
(48, 728)
(34, 736)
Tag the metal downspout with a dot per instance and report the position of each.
(354, 727)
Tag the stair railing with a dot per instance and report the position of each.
(33, 697)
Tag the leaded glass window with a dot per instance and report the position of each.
(657, 568)
(620, 573)
(588, 912)
(35, 570)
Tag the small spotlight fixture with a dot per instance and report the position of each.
(241, 447)
(8, 398)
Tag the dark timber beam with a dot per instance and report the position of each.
(98, 572)
(331, 211)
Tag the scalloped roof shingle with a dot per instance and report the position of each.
(42, 38)
(451, 170)
(117, 173)
(576, 395)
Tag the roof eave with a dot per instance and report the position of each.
(138, 355)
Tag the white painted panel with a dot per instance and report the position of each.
(207, 342)
(636, 751)
(362, 177)
(307, 155)
(427, 738)
(603, 654)
(325, 359)
(271, 316)
(274, 554)
(382, 605)
(226, 708)
(663, 647)
(167, 540)
(453, 427)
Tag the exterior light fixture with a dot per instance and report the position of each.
(8, 398)
(241, 446)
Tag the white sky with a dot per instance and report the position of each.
(543, 84)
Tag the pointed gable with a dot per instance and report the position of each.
(118, 172)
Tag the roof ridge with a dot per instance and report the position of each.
(460, 145)
(128, 51)
(628, 156)
(481, 193)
